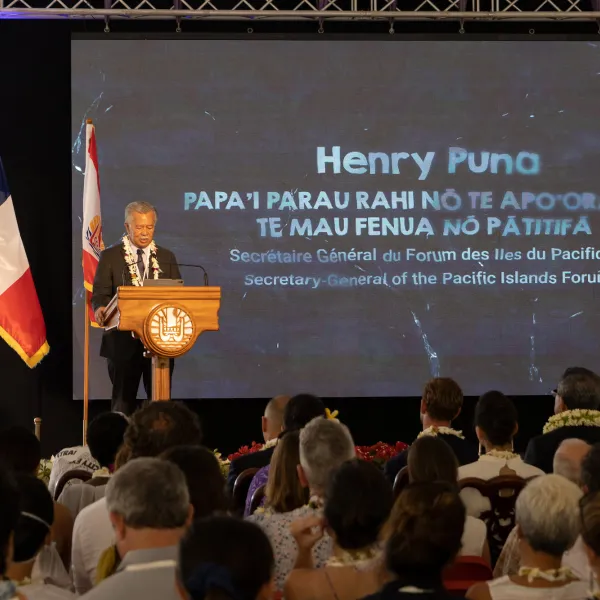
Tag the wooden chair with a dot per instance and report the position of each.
(79, 474)
(465, 572)
(257, 498)
(240, 490)
(502, 492)
(401, 481)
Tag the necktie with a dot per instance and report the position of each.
(140, 263)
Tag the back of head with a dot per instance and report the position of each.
(590, 521)
(580, 390)
(425, 531)
(590, 469)
(430, 458)
(577, 371)
(105, 436)
(159, 426)
(20, 450)
(324, 445)
(223, 558)
(9, 515)
(443, 398)
(547, 513)
(205, 481)
(149, 493)
(284, 491)
(568, 459)
(358, 501)
(302, 409)
(35, 519)
(496, 416)
(275, 410)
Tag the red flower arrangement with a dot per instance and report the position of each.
(254, 447)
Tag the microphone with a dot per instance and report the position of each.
(126, 268)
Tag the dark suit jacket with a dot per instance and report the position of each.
(465, 452)
(541, 449)
(111, 273)
(248, 461)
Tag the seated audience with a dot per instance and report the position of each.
(272, 425)
(590, 534)
(324, 446)
(104, 436)
(548, 521)
(431, 459)
(9, 517)
(568, 463)
(577, 416)
(299, 411)
(152, 430)
(358, 502)
(21, 451)
(284, 491)
(222, 558)
(38, 575)
(495, 426)
(149, 509)
(441, 403)
(205, 482)
(424, 537)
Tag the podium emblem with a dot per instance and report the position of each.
(169, 330)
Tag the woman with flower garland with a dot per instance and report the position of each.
(548, 518)
(358, 502)
(495, 426)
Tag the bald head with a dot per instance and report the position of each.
(568, 458)
(272, 422)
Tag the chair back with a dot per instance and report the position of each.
(465, 572)
(502, 492)
(401, 481)
(241, 488)
(257, 498)
(73, 474)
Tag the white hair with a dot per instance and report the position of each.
(324, 445)
(547, 513)
(149, 493)
(139, 207)
(568, 458)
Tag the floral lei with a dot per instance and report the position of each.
(573, 418)
(441, 430)
(131, 261)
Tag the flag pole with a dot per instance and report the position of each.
(86, 367)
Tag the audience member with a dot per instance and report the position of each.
(20, 450)
(431, 459)
(590, 534)
(152, 430)
(38, 573)
(547, 515)
(272, 426)
(424, 537)
(297, 413)
(223, 558)
(324, 446)
(104, 436)
(441, 403)
(577, 416)
(358, 502)
(284, 492)
(495, 425)
(149, 508)
(9, 516)
(205, 482)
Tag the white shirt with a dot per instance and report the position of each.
(577, 560)
(49, 568)
(77, 457)
(45, 591)
(505, 589)
(77, 497)
(488, 467)
(145, 257)
(474, 537)
(92, 535)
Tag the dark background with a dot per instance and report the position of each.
(35, 142)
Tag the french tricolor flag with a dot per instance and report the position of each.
(21, 321)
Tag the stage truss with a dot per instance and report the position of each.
(319, 11)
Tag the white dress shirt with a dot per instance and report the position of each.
(92, 535)
(146, 258)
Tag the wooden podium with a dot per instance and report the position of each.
(167, 319)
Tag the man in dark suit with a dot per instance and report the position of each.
(578, 389)
(134, 259)
(441, 403)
